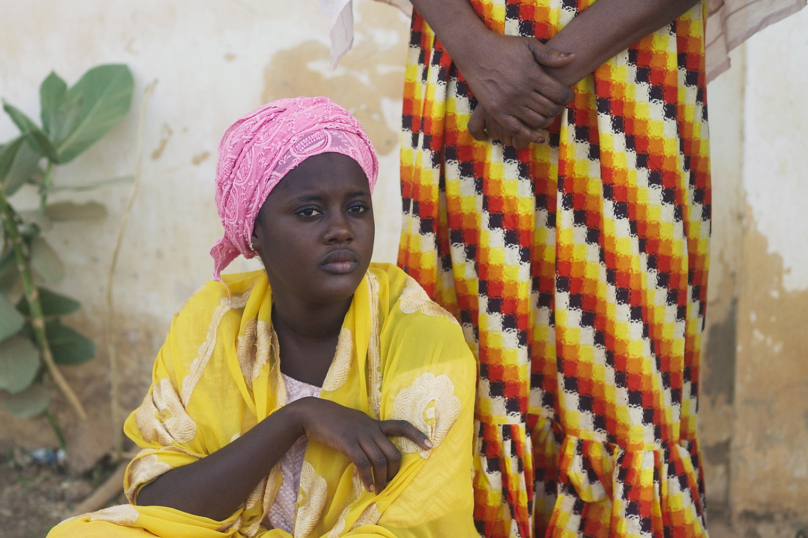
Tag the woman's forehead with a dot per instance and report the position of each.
(326, 173)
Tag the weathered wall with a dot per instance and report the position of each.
(214, 61)
(754, 414)
(770, 441)
(217, 59)
(725, 100)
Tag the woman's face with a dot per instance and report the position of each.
(315, 231)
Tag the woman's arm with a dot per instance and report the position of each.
(505, 73)
(594, 36)
(215, 486)
(608, 27)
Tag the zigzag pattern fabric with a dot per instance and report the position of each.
(578, 270)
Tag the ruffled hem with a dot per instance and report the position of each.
(564, 486)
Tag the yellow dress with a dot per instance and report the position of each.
(578, 269)
(400, 356)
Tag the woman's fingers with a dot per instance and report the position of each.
(376, 458)
(533, 120)
(549, 56)
(546, 108)
(402, 428)
(510, 82)
(476, 125)
(518, 141)
(363, 466)
(378, 462)
(555, 94)
(392, 454)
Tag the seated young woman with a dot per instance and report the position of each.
(323, 396)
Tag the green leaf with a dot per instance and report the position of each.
(30, 402)
(90, 186)
(11, 320)
(46, 262)
(36, 138)
(19, 363)
(52, 95)
(8, 154)
(73, 211)
(52, 303)
(68, 346)
(105, 95)
(22, 169)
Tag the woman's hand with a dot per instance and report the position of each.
(483, 127)
(364, 440)
(505, 73)
(510, 83)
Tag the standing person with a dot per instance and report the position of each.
(571, 241)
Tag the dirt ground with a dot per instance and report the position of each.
(36, 496)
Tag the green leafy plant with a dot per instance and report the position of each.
(33, 340)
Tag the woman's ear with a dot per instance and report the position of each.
(254, 240)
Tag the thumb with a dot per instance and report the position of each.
(476, 124)
(548, 56)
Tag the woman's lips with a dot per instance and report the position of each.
(340, 262)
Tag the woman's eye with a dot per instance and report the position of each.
(358, 208)
(308, 212)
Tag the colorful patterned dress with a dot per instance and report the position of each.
(578, 269)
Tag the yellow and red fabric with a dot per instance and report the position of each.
(578, 270)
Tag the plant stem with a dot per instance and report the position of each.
(32, 297)
(43, 191)
(55, 427)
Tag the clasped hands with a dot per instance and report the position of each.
(517, 95)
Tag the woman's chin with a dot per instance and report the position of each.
(334, 288)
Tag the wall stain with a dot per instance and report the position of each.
(364, 76)
(720, 354)
(716, 398)
(769, 463)
(717, 454)
(229, 57)
(165, 136)
(199, 157)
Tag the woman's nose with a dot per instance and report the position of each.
(339, 230)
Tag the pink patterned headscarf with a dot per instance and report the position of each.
(258, 150)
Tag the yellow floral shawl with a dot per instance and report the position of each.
(400, 356)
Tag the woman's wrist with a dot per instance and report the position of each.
(456, 25)
(468, 51)
(298, 413)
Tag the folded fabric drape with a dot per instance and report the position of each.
(400, 356)
(731, 22)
